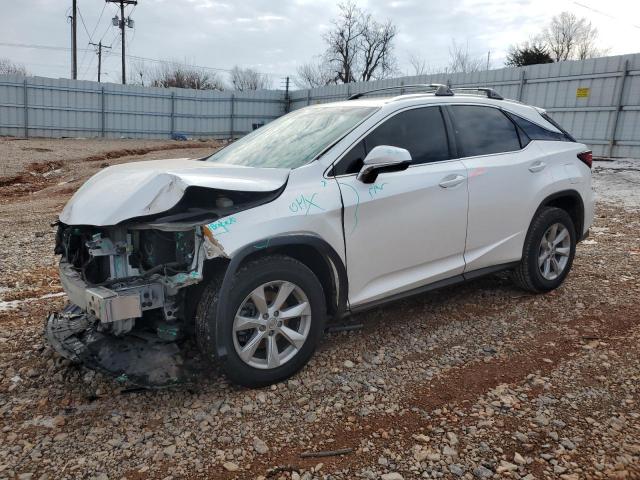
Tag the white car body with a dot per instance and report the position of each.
(425, 226)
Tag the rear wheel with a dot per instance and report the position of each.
(276, 315)
(548, 251)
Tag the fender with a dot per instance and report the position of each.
(580, 213)
(326, 251)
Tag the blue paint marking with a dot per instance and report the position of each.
(375, 188)
(304, 203)
(323, 182)
(222, 226)
(262, 245)
(355, 212)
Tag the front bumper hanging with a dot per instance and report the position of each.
(140, 358)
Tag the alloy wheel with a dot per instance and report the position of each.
(555, 248)
(272, 324)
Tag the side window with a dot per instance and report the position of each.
(352, 162)
(421, 131)
(536, 132)
(484, 130)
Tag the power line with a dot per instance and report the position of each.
(84, 24)
(84, 55)
(594, 10)
(135, 57)
(98, 22)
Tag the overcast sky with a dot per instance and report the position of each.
(276, 36)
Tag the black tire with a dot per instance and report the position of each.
(527, 275)
(249, 277)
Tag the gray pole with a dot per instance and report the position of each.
(521, 84)
(102, 113)
(173, 113)
(619, 106)
(231, 126)
(26, 110)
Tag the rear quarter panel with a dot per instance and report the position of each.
(569, 173)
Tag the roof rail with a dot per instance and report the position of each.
(438, 89)
(489, 92)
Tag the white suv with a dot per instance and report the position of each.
(330, 209)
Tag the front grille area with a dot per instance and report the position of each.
(71, 244)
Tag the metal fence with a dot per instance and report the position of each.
(45, 107)
(597, 100)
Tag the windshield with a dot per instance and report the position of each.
(294, 139)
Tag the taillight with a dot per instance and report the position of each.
(586, 158)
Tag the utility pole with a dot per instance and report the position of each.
(74, 41)
(488, 58)
(121, 23)
(100, 47)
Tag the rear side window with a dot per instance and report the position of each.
(536, 132)
(484, 130)
(420, 130)
(557, 125)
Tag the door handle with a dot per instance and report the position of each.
(537, 167)
(452, 180)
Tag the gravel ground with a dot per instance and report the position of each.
(476, 381)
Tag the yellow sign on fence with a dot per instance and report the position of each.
(582, 92)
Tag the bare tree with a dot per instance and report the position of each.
(139, 73)
(419, 65)
(376, 49)
(359, 48)
(343, 40)
(244, 79)
(8, 67)
(181, 75)
(312, 75)
(571, 38)
(461, 61)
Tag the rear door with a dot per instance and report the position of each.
(505, 176)
(408, 228)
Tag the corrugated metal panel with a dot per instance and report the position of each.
(59, 107)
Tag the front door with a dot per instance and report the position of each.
(408, 228)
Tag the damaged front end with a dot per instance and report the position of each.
(135, 241)
(128, 288)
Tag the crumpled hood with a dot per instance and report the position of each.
(135, 189)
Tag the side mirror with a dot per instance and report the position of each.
(383, 158)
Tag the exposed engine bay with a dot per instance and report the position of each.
(128, 287)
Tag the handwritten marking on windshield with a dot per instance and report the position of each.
(222, 226)
(375, 188)
(304, 203)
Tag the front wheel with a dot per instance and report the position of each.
(276, 317)
(548, 251)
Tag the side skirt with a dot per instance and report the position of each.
(433, 286)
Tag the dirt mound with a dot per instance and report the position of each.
(39, 175)
(130, 152)
(35, 177)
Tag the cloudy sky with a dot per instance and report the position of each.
(275, 37)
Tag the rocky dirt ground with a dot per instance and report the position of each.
(476, 381)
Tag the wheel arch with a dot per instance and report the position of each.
(571, 202)
(309, 249)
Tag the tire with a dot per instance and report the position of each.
(528, 274)
(269, 275)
